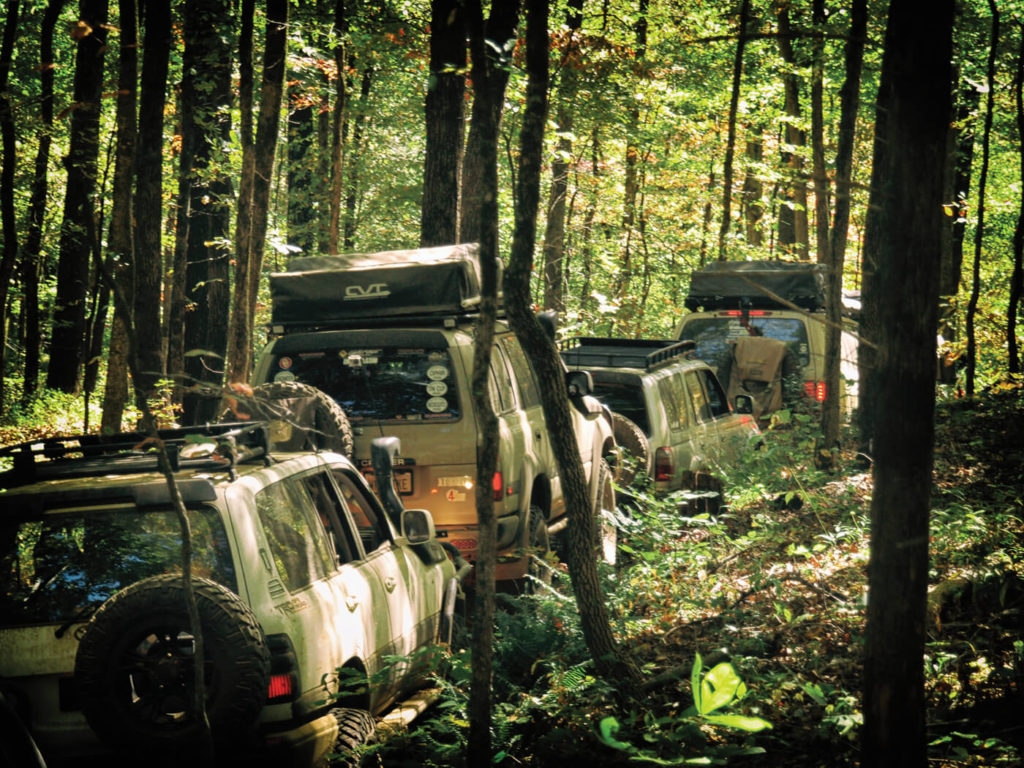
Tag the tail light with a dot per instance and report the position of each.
(739, 313)
(664, 463)
(284, 670)
(498, 485)
(815, 390)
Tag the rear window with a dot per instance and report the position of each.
(380, 384)
(63, 566)
(626, 398)
(713, 334)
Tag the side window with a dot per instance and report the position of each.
(332, 515)
(716, 397)
(295, 537)
(700, 403)
(365, 514)
(503, 396)
(528, 388)
(671, 399)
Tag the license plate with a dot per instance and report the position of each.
(402, 478)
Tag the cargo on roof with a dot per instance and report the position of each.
(737, 284)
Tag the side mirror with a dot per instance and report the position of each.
(579, 383)
(417, 526)
(744, 404)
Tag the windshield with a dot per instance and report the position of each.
(382, 384)
(62, 566)
(713, 334)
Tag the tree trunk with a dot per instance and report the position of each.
(1017, 274)
(37, 201)
(120, 245)
(355, 160)
(821, 185)
(979, 229)
(501, 29)
(8, 222)
(793, 214)
(730, 144)
(913, 113)
(339, 127)
(484, 118)
(446, 90)
(608, 657)
(753, 189)
(148, 261)
(304, 192)
(68, 337)
(849, 97)
(554, 232)
(206, 90)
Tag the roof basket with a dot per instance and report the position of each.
(643, 354)
(217, 446)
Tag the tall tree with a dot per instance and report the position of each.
(338, 126)
(849, 97)
(912, 116)
(730, 144)
(818, 171)
(120, 239)
(248, 268)
(37, 200)
(1017, 270)
(8, 223)
(979, 228)
(304, 190)
(148, 209)
(554, 232)
(609, 659)
(793, 231)
(444, 110)
(360, 120)
(205, 91)
(68, 337)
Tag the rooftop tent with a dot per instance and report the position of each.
(735, 284)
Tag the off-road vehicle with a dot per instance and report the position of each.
(389, 337)
(775, 299)
(669, 410)
(302, 576)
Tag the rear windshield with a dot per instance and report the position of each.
(64, 565)
(382, 384)
(626, 398)
(713, 335)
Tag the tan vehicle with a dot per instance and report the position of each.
(389, 337)
(735, 299)
(691, 433)
(300, 571)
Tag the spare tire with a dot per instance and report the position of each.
(630, 437)
(134, 668)
(301, 417)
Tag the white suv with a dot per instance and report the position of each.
(303, 578)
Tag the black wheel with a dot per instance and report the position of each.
(538, 550)
(632, 439)
(355, 729)
(135, 665)
(301, 416)
(604, 516)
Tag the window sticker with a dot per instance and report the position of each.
(436, 388)
(437, 404)
(284, 363)
(437, 372)
(284, 376)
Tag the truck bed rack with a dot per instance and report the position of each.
(642, 354)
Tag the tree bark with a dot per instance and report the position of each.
(554, 232)
(355, 160)
(148, 263)
(979, 229)
(1017, 273)
(8, 222)
(849, 97)
(793, 214)
(906, 203)
(753, 189)
(68, 337)
(730, 144)
(339, 128)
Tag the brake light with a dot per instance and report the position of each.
(664, 463)
(815, 390)
(281, 688)
(284, 670)
(739, 313)
(497, 485)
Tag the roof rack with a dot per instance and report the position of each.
(94, 455)
(643, 354)
(424, 320)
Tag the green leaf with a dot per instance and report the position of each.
(720, 687)
(739, 722)
(812, 690)
(608, 730)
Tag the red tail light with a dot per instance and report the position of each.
(739, 313)
(281, 688)
(815, 390)
(664, 463)
(284, 670)
(497, 485)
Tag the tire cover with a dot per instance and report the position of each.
(134, 668)
(632, 438)
(324, 426)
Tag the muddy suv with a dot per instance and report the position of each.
(389, 337)
(669, 410)
(302, 576)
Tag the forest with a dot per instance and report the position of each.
(160, 160)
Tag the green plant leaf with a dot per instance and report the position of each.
(739, 722)
(608, 729)
(720, 687)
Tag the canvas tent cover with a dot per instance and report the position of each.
(326, 290)
(734, 284)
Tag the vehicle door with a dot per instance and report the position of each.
(684, 435)
(726, 432)
(704, 433)
(515, 433)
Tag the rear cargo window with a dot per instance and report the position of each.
(625, 398)
(382, 384)
(64, 565)
(713, 335)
